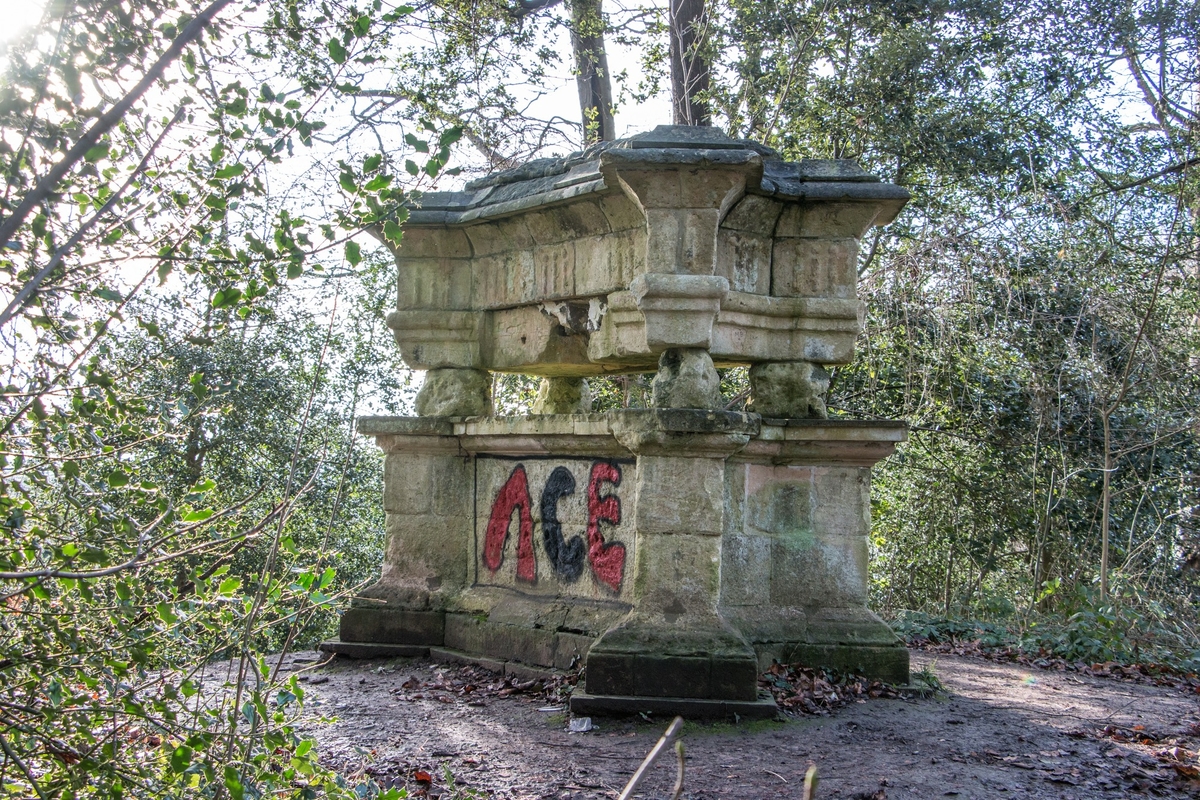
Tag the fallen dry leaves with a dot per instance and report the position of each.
(1147, 672)
(817, 692)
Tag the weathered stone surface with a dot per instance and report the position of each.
(686, 379)
(648, 660)
(726, 554)
(680, 495)
(672, 548)
(888, 663)
(531, 338)
(828, 218)
(759, 328)
(621, 224)
(392, 626)
(455, 393)
(679, 310)
(558, 528)
(814, 268)
(788, 389)
(373, 649)
(584, 704)
(563, 396)
(440, 339)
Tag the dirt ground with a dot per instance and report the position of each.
(998, 730)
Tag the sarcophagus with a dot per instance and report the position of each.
(675, 550)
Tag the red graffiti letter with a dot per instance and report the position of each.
(513, 495)
(607, 560)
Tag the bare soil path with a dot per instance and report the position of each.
(999, 730)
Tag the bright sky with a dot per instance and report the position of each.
(19, 15)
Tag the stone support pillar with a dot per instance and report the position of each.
(428, 539)
(674, 643)
(451, 392)
(788, 389)
(686, 378)
(563, 396)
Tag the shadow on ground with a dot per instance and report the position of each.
(999, 730)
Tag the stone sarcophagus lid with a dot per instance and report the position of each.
(598, 263)
(673, 551)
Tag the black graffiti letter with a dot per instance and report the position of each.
(566, 557)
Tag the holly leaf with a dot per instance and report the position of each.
(336, 51)
(392, 232)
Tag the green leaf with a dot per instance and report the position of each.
(166, 613)
(450, 136)
(353, 253)
(198, 516)
(392, 232)
(229, 586)
(372, 163)
(231, 171)
(397, 13)
(346, 181)
(233, 783)
(123, 591)
(362, 26)
(70, 550)
(226, 297)
(118, 479)
(336, 51)
(181, 758)
(411, 167)
(378, 182)
(420, 145)
(96, 153)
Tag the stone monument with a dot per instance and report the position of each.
(673, 551)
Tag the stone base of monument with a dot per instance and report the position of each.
(587, 705)
(672, 552)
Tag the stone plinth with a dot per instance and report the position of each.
(675, 552)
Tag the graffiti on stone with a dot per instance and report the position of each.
(514, 496)
(566, 555)
(580, 537)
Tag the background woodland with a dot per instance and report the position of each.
(193, 316)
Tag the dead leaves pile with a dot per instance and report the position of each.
(816, 692)
(1167, 750)
(1146, 673)
(1143, 759)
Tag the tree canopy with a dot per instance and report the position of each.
(193, 299)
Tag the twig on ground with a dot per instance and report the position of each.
(671, 735)
(810, 782)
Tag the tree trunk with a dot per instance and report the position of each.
(592, 77)
(1106, 495)
(689, 64)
